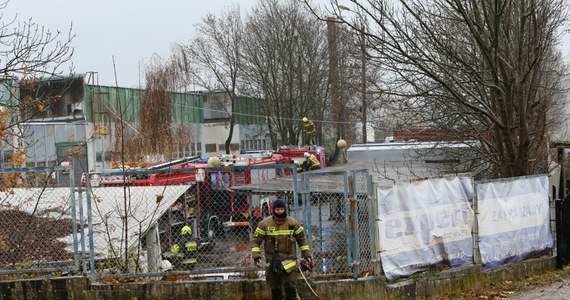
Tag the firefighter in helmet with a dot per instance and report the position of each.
(310, 131)
(311, 163)
(184, 251)
(280, 235)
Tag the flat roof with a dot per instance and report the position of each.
(385, 173)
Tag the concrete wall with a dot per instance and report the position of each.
(424, 286)
(454, 281)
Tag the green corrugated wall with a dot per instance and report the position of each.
(104, 104)
(249, 111)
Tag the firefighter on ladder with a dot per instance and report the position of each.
(185, 250)
(310, 132)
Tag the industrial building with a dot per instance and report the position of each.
(99, 119)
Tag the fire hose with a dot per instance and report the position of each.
(305, 265)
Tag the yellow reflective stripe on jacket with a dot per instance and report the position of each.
(304, 248)
(287, 265)
(189, 261)
(259, 231)
(290, 265)
(191, 246)
(256, 250)
(280, 232)
(299, 230)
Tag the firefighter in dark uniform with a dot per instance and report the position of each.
(280, 233)
(185, 250)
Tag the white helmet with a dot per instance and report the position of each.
(307, 154)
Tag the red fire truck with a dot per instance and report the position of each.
(210, 205)
(182, 171)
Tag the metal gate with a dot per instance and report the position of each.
(340, 223)
(562, 231)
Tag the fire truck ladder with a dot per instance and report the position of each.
(187, 159)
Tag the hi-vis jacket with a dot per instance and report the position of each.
(309, 127)
(282, 235)
(314, 162)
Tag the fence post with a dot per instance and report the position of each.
(73, 219)
(353, 215)
(82, 230)
(347, 220)
(295, 192)
(373, 215)
(475, 233)
(90, 226)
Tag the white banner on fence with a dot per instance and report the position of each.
(425, 223)
(514, 220)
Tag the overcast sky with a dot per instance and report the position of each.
(131, 31)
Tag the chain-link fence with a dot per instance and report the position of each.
(200, 225)
(134, 223)
(364, 244)
(38, 231)
(186, 221)
(341, 227)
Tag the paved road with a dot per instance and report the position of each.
(556, 291)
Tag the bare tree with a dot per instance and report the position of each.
(153, 131)
(155, 111)
(483, 70)
(28, 52)
(285, 64)
(215, 54)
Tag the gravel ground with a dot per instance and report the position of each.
(554, 291)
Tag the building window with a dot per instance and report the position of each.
(211, 148)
